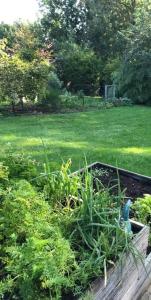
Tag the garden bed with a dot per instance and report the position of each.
(124, 279)
(61, 237)
(129, 279)
(134, 185)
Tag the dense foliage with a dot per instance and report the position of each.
(23, 71)
(142, 211)
(40, 224)
(134, 75)
(86, 43)
(79, 68)
(20, 80)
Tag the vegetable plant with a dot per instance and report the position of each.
(142, 210)
(58, 231)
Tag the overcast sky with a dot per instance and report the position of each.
(13, 10)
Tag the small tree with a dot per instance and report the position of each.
(79, 68)
(19, 79)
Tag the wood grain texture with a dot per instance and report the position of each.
(127, 277)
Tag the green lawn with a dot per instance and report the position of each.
(119, 136)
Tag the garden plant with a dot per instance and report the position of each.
(58, 233)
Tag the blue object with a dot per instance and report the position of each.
(125, 216)
(126, 210)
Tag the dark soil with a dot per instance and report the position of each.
(133, 187)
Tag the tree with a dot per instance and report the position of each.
(7, 32)
(63, 19)
(105, 19)
(134, 74)
(20, 79)
(95, 23)
(79, 68)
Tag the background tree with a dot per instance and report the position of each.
(105, 19)
(20, 79)
(7, 31)
(79, 68)
(134, 75)
(63, 19)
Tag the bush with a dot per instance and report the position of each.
(142, 210)
(21, 166)
(142, 207)
(3, 173)
(79, 68)
(119, 102)
(51, 98)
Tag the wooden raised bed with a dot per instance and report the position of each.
(124, 280)
(136, 185)
(127, 281)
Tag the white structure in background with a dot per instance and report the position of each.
(110, 91)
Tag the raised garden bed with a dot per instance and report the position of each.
(76, 229)
(124, 280)
(128, 280)
(135, 185)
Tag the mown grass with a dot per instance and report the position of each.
(119, 136)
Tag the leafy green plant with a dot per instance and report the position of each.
(142, 211)
(20, 165)
(91, 217)
(3, 173)
(57, 240)
(36, 260)
(60, 187)
(142, 208)
(96, 227)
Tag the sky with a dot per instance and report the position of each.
(13, 10)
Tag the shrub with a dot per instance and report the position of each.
(51, 98)
(3, 173)
(21, 165)
(142, 207)
(142, 210)
(79, 68)
(124, 101)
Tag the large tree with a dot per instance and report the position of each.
(105, 20)
(134, 74)
(93, 22)
(63, 19)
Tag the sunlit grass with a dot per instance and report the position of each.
(138, 150)
(119, 136)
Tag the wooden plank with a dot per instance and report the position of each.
(145, 279)
(123, 278)
(137, 176)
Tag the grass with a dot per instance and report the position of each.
(119, 136)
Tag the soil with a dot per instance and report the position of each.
(133, 187)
